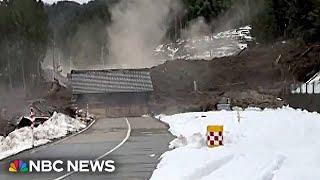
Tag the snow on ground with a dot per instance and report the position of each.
(222, 44)
(277, 144)
(59, 125)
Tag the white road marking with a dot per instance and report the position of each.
(107, 153)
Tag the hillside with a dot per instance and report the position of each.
(253, 78)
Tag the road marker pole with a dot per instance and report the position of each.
(32, 119)
(87, 114)
(238, 116)
(32, 135)
(214, 136)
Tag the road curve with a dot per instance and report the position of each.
(136, 156)
(107, 153)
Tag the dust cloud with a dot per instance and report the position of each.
(239, 14)
(197, 27)
(137, 28)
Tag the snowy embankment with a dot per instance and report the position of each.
(277, 144)
(59, 125)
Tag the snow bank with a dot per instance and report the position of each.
(59, 125)
(278, 144)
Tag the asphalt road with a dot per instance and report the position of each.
(135, 159)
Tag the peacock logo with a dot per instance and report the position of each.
(18, 166)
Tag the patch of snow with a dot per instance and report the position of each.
(197, 140)
(181, 141)
(152, 155)
(222, 44)
(58, 126)
(236, 108)
(146, 116)
(253, 109)
(267, 144)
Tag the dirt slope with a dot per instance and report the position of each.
(256, 77)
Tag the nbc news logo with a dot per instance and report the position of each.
(18, 166)
(45, 166)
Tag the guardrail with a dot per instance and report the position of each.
(305, 88)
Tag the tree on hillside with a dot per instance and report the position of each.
(288, 19)
(79, 31)
(208, 9)
(24, 30)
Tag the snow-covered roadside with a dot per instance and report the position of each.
(278, 144)
(58, 126)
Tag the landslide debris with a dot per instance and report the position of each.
(256, 77)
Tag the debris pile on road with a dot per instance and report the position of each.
(81, 114)
(43, 108)
(58, 126)
(254, 98)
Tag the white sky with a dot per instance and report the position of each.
(52, 1)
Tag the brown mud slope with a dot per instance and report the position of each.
(256, 77)
(303, 62)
